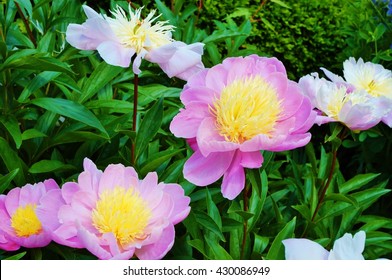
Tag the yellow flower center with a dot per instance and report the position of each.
(247, 107)
(25, 221)
(140, 34)
(339, 98)
(123, 213)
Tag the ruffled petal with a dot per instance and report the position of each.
(304, 249)
(203, 171)
(116, 54)
(234, 178)
(159, 249)
(210, 141)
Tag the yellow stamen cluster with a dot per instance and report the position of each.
(25, 221)
(140, 34)
(247, 107)
(122, 212)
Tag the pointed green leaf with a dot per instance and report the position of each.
(5, 181)
(70, 109)
(149, 127)
(12, 162)
(45, 166)
(101, 76)
(276, 252)
(208, 223)
(12, 125)
(219, 252)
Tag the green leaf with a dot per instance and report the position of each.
(260, 244)
(71, 110)
(357, 182)
(257, 199)
(32, 133)
(229, 224)
(379, 31)
(36, 62)
(281, 3)
(158, 159)
(198, 245)
(12, 125)
(45, 166)
(115, 106)
(342, 197)
(5, 181)
(213, 210)
(149, 127)
(276, 252)
(208, 223)
(219, 252)
(236, 209)
(12, 162)
(166, 12)
(101, 76)
(17, 256)
(39, 81)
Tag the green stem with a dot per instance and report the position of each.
(134, 119)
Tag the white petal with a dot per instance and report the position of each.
(304, 249)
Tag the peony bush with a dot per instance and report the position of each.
(127, 132)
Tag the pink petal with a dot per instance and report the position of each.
(160, 248)
(198, 94)
(116, 54)
(262, 142)
(251, 159)
(11, 201)
(90, 13)
(150, 191)
(67, 235)
(92, 243)
(181, 203)
(69, 189)
(210, 141)
(89, 35)
(203, 171)
(178, 59)
(187, 122)
(216, 79)
(47, 210)
(291, 102)
(233, 179)
(280, 83)
(114, 176)
(304, 249)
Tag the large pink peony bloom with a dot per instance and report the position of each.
(19, 222)
(115, 215)
(234, 110)
(121, 40)
(360, 100)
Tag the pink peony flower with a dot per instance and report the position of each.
(341, 102)
(19, 223)
(360, 101)
(115, 215)
(234, 110)
(344, 248)
(122, 40)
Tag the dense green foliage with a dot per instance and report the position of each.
(59, 105)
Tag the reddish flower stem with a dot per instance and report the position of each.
(26, 24)
(329, 180)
